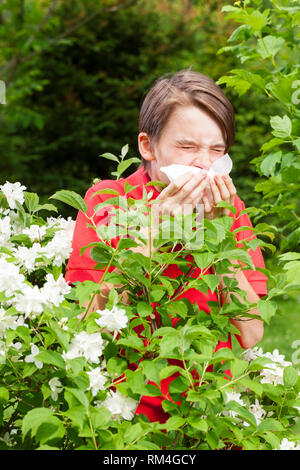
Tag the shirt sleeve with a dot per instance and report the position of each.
(81, 267)
(256, 279)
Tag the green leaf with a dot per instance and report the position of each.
(241, 411)
(212, 281)
(256, 387)
(126, 243)
(282, 126)
(144, 309)
(198, 423)
(271, 143)
(74, 397)
(124, 150)
(46, 207)
(109, 156)
(267, 309)
(157, 294)
(203, 260)
(226, 204)
(289, 256)
(257, 20)
(50, 430)
(100, 417)
(4, 395)
(51, 357)
(272, 439)
(238, 367)
(223, 354)
(268, 165)
(31, 201)
(84, 290)
(71, 198)
(132, 342)
(125, 164)
(174, 423)
(152, 370)
(100, 255)
(62, 336)
(135, 380)
(270, 424)
(106, 191)
(33, 419)
(290, 376)
(269, 46)
(212, 439)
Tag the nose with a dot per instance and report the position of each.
(203, 159)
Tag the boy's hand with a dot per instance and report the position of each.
(221, 188)
(182, 195)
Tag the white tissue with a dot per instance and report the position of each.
(222, 166)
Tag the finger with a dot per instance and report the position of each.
(215, 192)
(199, 181)
(207, 205)
(197, 193)
(223, 189)
(231, 188)
(175, 185)
(183, 185)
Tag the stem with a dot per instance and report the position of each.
(188, 286)
(92, 431)
(234, 380)
(95, 293)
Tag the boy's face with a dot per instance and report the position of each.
(191, 137)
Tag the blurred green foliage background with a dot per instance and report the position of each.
(76, 73)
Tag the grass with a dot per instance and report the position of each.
(284, 327)
(283, 330)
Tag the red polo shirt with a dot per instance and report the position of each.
(80, 268)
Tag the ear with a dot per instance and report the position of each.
(145, 147)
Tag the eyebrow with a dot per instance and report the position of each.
(191, 142)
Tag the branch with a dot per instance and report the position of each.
(17, 60)
(12, 64)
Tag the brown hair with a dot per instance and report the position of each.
(185, 87)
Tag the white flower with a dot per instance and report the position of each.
(97, 380)
(10, 278)
(67, 225)
(31, 357)
(53, 291)
(30, 301)
(233, 396)
(258, 411)
(5, 230)
(289, 445)
(56, 387)
(35, 232)
(276, 357)
(17, 346)
(13, 192)
(8, 438)
(113, 320)
(119, 405)
(27, 256)
(88, 345)
(60, 247)
(62, 323)
(8, 322)
(272, 372)
(253, 353)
